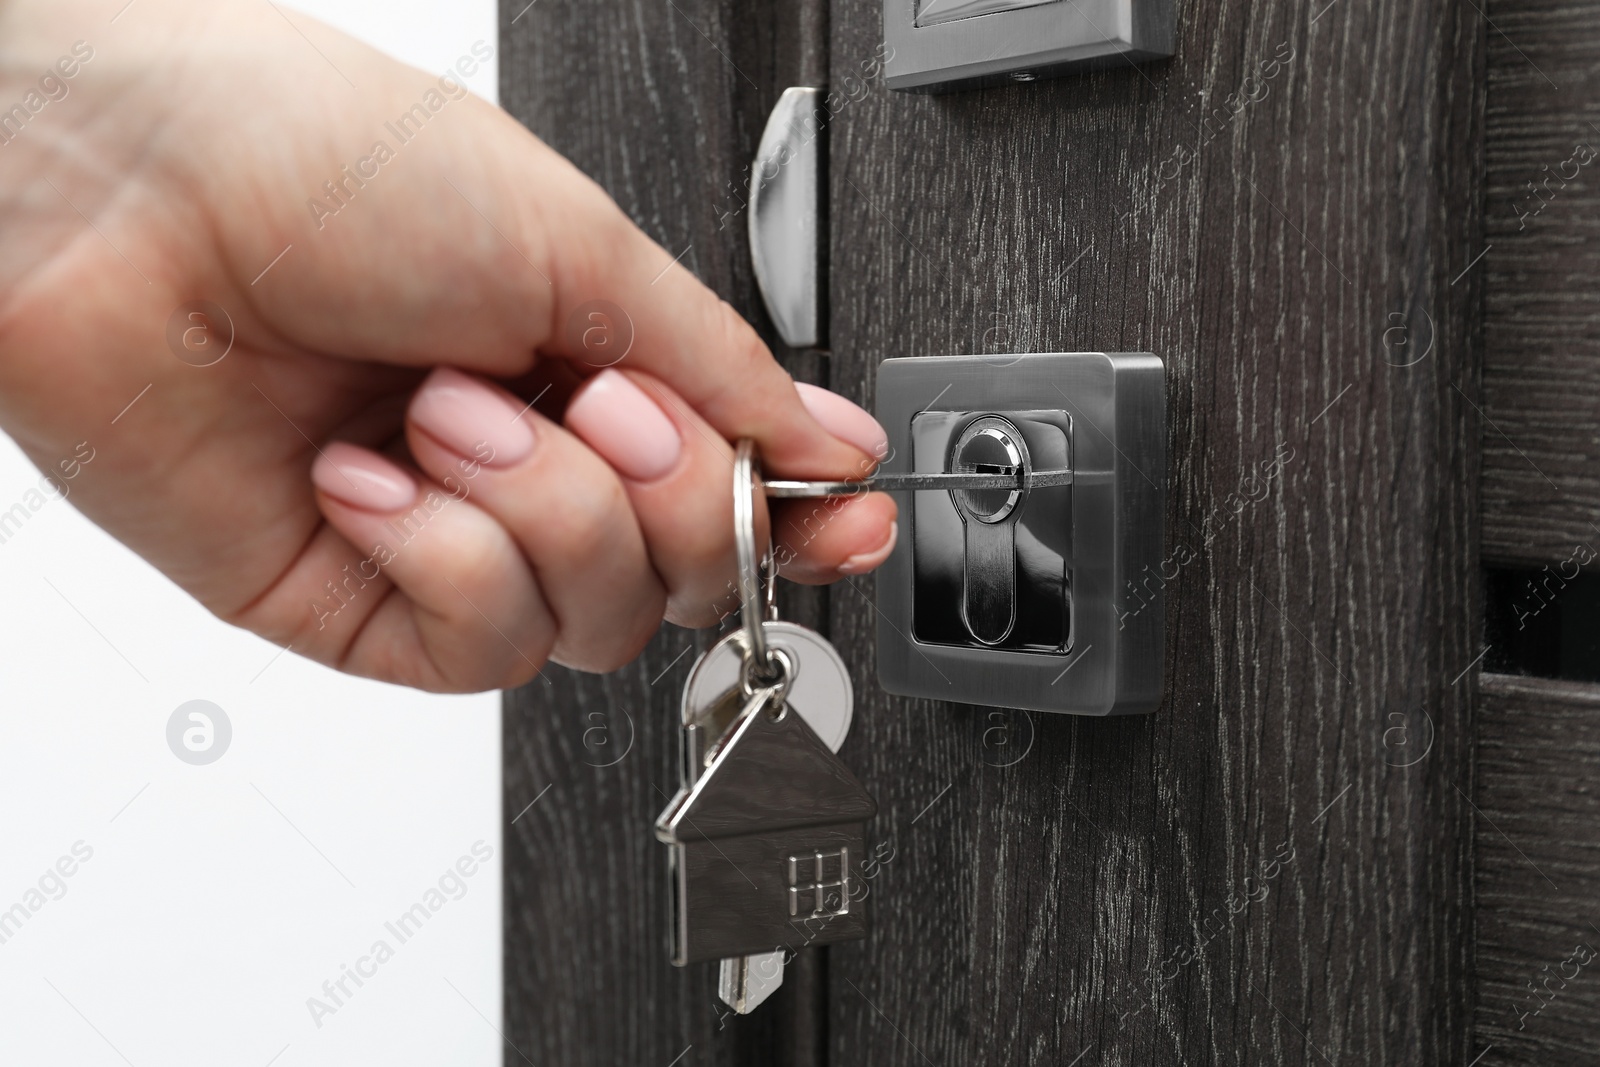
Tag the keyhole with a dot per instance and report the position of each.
(989, 445)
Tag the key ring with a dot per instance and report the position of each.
(754, 602)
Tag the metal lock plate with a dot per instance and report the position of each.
(936, 45)
(1019, 597)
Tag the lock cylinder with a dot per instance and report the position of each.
(993, 563)
(990, 444)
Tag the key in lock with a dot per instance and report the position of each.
(1052, 625)
(994, 566)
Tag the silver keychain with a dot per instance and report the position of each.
(768, 823)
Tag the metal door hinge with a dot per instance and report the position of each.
(788, 228)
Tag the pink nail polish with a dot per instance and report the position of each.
(862, 562)
(845, 420)
(469, 417)
(621, 422)
(362, 478)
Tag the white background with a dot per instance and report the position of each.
(219, 898)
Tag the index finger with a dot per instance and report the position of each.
(493, 251)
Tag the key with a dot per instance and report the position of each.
(1000, 477)
(745, 982)
(821, 692)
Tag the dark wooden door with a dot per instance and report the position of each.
(1276, 866)
(1538, 728)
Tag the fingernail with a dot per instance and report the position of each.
(362, 478)
(845, 420)
(630, 431)
(862, 562)
(468, 417)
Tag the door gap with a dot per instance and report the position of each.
(1543, 622)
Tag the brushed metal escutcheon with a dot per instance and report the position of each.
(1019, 591)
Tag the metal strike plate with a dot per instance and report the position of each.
(939, 45)
(1035, 597)
(788, 217)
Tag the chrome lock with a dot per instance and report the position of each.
(1038, 493)
(1038, 497)
(989, 445)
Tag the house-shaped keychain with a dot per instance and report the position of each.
(766, 842)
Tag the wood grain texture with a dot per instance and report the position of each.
(1541, 372)
(1077, 902)
(663, 103)
(1538, 872)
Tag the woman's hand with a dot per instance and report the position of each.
(424, 456)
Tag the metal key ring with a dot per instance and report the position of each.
(752, 601)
